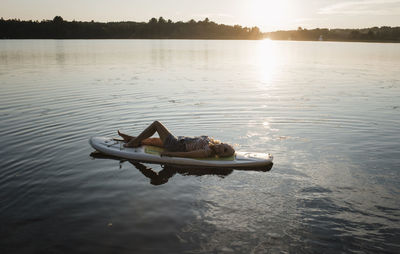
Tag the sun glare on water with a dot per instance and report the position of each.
(268, 61)
(268, 15)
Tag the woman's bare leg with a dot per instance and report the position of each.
(126, 138)
(147, 141)
(156, 126)
(152, 142)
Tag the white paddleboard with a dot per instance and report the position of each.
(116, 148)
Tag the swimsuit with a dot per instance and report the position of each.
(186, 144)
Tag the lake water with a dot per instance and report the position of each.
(329, 112)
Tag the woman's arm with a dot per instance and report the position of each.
(191, 154)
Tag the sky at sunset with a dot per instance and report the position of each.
(266, 14)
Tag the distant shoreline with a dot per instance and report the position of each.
(365, 41)
(154, 29)
(183, 39)
(373, 34)
(191, 30)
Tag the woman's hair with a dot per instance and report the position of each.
(227, 150)
(214, 141)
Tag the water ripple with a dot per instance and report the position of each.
(331, 124)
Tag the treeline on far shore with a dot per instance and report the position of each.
(159, 28)
(374, 34)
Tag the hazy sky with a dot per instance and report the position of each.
(267, 14)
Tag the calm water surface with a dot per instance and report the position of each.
(328, 112)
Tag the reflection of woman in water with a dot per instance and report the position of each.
(197, 147)
(162, 177)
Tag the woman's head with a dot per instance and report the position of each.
(224, 150)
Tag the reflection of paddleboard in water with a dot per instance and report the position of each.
(116, 148)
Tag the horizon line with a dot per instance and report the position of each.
(209, 20)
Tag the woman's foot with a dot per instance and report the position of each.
(126, 138)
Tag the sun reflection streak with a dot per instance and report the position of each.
(268, 60)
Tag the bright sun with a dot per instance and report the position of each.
(267, 13)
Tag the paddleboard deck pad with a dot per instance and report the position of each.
(113, 147)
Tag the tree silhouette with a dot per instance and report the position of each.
(58, 19)
(153, 21)
(161, 20)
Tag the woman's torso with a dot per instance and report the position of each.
(195, 143)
